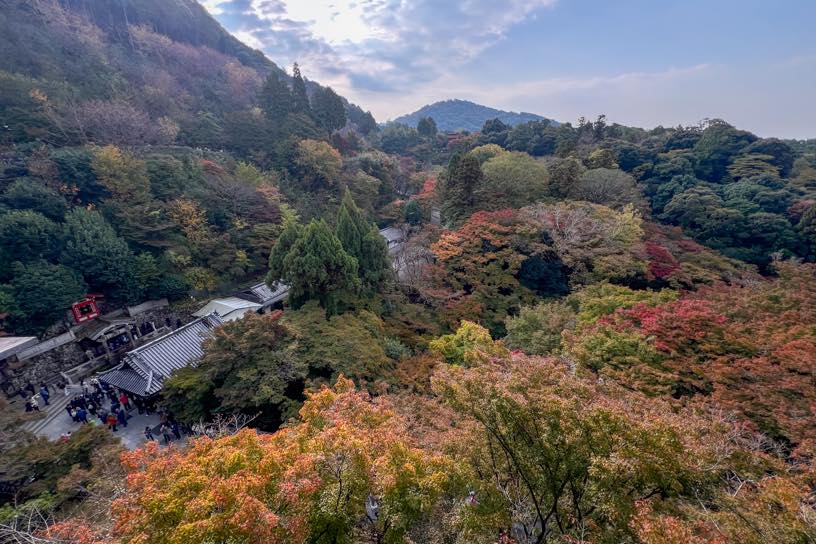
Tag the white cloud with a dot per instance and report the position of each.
(393, 56)
(373, 45)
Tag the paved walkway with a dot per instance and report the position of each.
(57, 422)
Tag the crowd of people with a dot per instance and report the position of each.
(102, 404)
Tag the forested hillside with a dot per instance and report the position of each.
(139, 140)
(575, 333)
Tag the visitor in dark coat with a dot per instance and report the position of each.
(121, 416)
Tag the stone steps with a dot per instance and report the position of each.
(56, 408)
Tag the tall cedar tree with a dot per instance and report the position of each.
(427, 127)
(276, 99)
(464, 175)
(43, 293)
(329, 109)
(286, 240)
(104, 258)
(317, 268)
(300, 100)
(362, 241)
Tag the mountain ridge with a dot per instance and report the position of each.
(456, 114)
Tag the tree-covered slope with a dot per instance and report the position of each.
(455, 115)
(183, 21)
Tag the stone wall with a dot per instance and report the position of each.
(48, 366)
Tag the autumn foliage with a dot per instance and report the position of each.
(306, 483)
(749, 349)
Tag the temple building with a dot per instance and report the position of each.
(258, 298)
(143, 370)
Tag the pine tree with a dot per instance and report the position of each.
(463, 176)
(350, 226)
(329, 109)
(317, 268)
(300, 100)
(276, 99)
(373, 261)
(362, 240)
(43, 293)
(286, 240)
(427, 127)
(104, 258)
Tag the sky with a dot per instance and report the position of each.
(640, 62)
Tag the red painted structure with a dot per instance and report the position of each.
(86, 309)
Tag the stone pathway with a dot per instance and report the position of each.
(57, 422)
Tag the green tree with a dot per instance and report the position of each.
(317, 164)
(413, 213)
(287, 238)
(350, 226)
(511, 180)
(564, 175)
(374, 265)
(29, 194)
(104, 258)
(248, 365)
(470, 345)
(276, 99)
(318, 268)
(26, 236)
(719, 144)
(147, 276)
(561, 459)
(782, 155)
(611, 187)
(300, 100)
(169, 177)
(537, 330)
(329, 109)
(752, 164)
(351, 344)
(463, 176)
(484, 153)
(362, 240)
(43, 293)
(122, 174)
(427, 127)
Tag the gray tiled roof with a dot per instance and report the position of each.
(264, 294)
(392, 235)
(125, 378)
(144, 369)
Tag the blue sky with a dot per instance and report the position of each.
(640, 62)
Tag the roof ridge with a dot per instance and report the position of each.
(177, 331)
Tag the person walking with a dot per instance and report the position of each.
(124, 400)
(112, 422)
(149, 433)
(34, 404)
(122, 417)
(44, 393)
(174, 426)
(82, 415)
(165, 430)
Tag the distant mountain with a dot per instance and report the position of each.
(454, 115)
